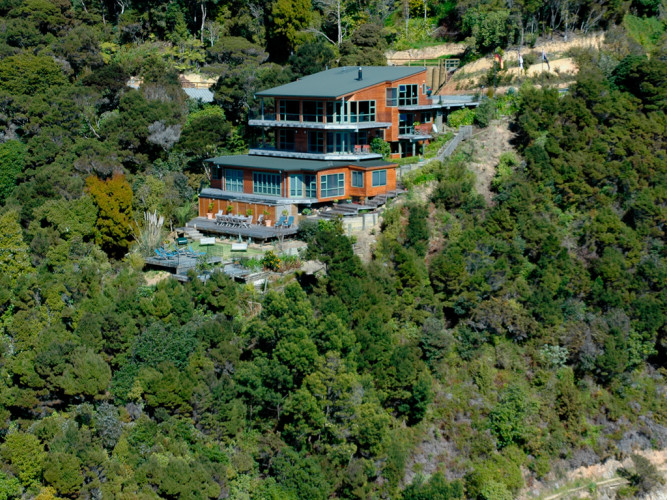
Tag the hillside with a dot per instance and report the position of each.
(507, 325)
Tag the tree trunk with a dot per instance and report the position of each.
(340, 25)
(203, 20)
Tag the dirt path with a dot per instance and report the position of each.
(468, 77)
(602, 475)
(487, 145)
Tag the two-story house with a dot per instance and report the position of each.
(315, 142)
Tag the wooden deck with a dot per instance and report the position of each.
(179, 264)
(253, 231)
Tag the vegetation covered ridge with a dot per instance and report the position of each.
(489, 342)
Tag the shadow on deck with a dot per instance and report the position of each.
(253, 231)
(179, 264)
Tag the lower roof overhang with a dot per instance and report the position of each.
(219, 194)
(296, 165)
(318, 125)
(414, 137)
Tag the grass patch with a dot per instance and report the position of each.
(224, 250)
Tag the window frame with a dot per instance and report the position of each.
(235, 183)
(389, 100)
(310, 185)
(408, 94)
(264, 186)
(332, 191)
(382, 181)
(289, 116)
(355, 177)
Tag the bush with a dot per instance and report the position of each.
(463, 116)
(380, 146)
(484, 113)
(271, 261)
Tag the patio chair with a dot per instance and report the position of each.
(194, 253)
(159, 255)
(281, 221)
(165, 254)
(260, 220)
(290, 222)
(220, 219)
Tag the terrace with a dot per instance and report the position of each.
(253, 231)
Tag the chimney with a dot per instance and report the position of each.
(360, 76)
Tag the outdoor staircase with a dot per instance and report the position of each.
(191, 233)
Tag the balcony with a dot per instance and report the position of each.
(358, 152)
(352, 122)
(415, 133)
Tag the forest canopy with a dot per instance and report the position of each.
(510, 338)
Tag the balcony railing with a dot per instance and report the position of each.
(351, 119)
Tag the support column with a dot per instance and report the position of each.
(414, 149)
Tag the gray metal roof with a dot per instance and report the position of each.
(338, 82)
(204, 95)
(293, 164)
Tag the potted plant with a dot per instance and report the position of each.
(267, 221)
(209, 214)
(230, 209)
(285, 213)
(306, 212)
(248, 212)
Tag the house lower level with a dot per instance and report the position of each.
(275, 186)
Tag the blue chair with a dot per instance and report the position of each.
(165, 254)
(290, 222)
(281, 221)
(193, 253)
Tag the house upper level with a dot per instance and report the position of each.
(339, 111)
(347, 98)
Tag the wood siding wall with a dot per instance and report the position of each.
(368, 191)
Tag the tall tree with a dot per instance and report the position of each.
(113, 198)
(14, 256)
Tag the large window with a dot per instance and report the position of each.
(234, 180)
(332, 185)
(357, 179)
(338, 142)
(296, 186)
(334, 112)
(316, 141)
(310, 182)
(362, 111)
(408, 95)
(265, 183)
(379, 178)
(289, 110)
(286, 140)
(392, 97)
(312, 111)
(405, 123)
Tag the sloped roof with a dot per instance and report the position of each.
(292, 164)
(338, 82)
(204, 94)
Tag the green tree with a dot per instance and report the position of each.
(14, 255)
(26, 455)
(27, 74)
(63, 471)
(205, 132)
(113, 198)
(288, 18)
(10, 487)
(12, 161)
